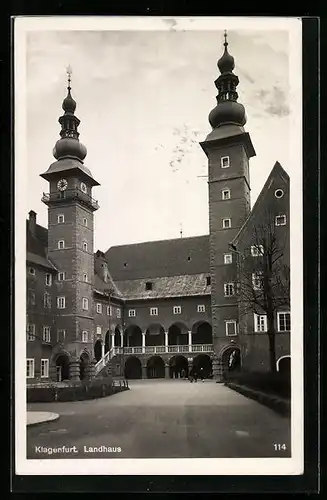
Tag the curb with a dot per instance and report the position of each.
(281, 406)
(52, 418)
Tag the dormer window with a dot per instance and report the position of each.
(224, 161)
(149, 285)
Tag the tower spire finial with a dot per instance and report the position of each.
(225, 36)
(69, 72)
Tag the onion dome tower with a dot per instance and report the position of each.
(228, 148)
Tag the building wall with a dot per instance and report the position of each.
(255, 349)
(236, 179)
(187, 319)
(39, 316)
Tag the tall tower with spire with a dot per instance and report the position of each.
(228, 148)
(70, 237)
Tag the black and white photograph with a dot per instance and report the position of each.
(158, 245)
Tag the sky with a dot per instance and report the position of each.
(143, 98)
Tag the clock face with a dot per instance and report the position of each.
(83, 187)
(62, 184)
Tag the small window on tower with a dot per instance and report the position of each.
(148, 285)
(208, 280)
(224, 161)
(225, 194)
(61, 219)
(85, 221)
(227, 223)
(85, 246)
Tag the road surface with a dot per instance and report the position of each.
(161, 419)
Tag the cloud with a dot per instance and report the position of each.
(274, 101)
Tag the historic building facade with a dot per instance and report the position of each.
(153, 309)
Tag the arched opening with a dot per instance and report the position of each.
(98, 350)
(117, 337)
(133, 368)
(178, 367)
(84, 365)
(202, 365)
(178, 334)
(133, 336)
(231, 360)
(202, 333)
(284, 366)
(107, 342)
(155, 335)
(62, 368)
(155, 367)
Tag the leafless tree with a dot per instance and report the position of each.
(264, 276)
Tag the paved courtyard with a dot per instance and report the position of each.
(162, 419)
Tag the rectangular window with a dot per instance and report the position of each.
(85, 304)
(153, 311)
(231, 327)
(85, 222)
(31, 271)
(229, 289)
(61, 244)
(280, 220)
(61, 219)
(284, 321)
(30, 332)
(131, 313)
(201, 308)
(257, 250)
(224, 161)
(99, 330)
(118, 313)
(177, 310)
(47, 300)
(260, 322)
(228, 258)
(85, 277)
(61, 302)
(227, 223)
(85, 336)
(31, 297)
(48, 279)
(148, 285)
(225, 194)
(99, 308)
(30, 367)
(61, 276)
(257, 280)
(109, 311)
(85, 246)
(44, 368)
(61, 335)
(46, 336)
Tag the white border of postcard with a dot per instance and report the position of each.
(192, 466)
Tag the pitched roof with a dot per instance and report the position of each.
(40, 261)
(277, 171)
(37, 246)
(165, 287)
(162, 258)
(102, 287)
(68, 164)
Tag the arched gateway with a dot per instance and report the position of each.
(155, 367)
(203, 365)
(178, 366)
(62, 367)
(133, 368)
